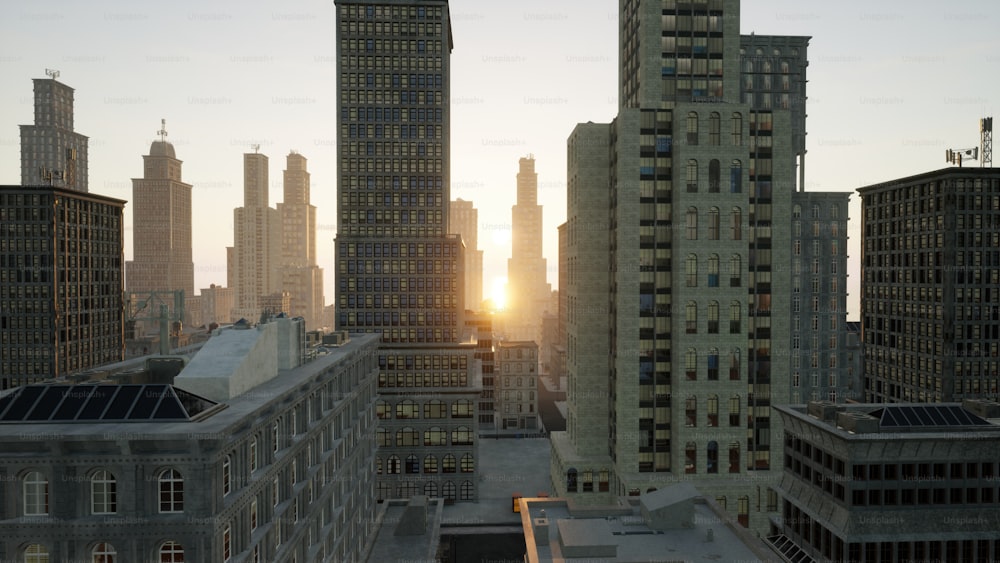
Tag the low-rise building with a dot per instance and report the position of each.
(517, 389)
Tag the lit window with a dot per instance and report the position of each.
(36, 553)
(171, 552)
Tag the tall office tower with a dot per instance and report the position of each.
(820, 355)
(61, 306)
(256, 250)
(300, 276)
(662, 247)
(930, 281)
(774, 77)
(52, 154)
(465, 222)
(528, 294)
(217, 305)
(399, 271)
(161, 226)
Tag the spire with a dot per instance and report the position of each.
(163, 130)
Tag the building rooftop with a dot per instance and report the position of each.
(103, 403)
(954, 171)
(903, 420)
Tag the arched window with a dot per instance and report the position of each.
(796, 211)
(468, 465)
(737, 129)
(712, 465)
(227, 475)
(690, 458)
(713, 364)
(412, 464)
(571, 480)
(734, 317)
(392, 465)
(171, 552)
(104, 493)
(378, 467)
(448, 464)
(692, 175)
(461, 436)
(430, 489)
(602, 480)
(462, 408)
(692, 223)
(691, 411)
(714, 176)
(743, 511)
(448, 490)
(36, 493)
(407, 409)
(253, 454)
(36, 553)
(227, 543)
(691, 364)
(383, 491)
(434, 409)
(104, 552)
(382, 435)
(691, 318)
(734, 410)
(736, 224)
(713, 410)
(734, 457)
(713, 270)
(435, 436)
(713, 317)
(692, 128)
(466, 491)
(382, 410)
(736, 177)
(171, 487)
(734, 364)
(714, 129)
(275, 438)
(735, 270)
(713, 223)
(430, 464)
(691, 270)
(407, 436)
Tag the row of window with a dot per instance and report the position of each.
(393, 466)
(691, 411)
(691, 317)
(406, 489)
(36, 498)
(433, 409)
(104, 552)
(433, 436)
(714, 173)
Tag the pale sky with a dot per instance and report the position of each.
(892, 84)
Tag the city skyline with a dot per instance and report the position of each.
(883, 105)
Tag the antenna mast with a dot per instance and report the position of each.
(163, 130)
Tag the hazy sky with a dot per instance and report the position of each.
(892, 84)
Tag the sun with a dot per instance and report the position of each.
(499, 293)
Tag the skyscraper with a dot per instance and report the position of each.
(399, 271)
(662, 246)
(300, 276)
(161, 226)
(52, 154)
(930, 281)
(256, 241)
(528, 294)
(61, 307)
(465, 222)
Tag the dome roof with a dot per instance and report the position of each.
(162, 148)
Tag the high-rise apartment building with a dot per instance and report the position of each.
(217, 305)
(820, 354)
(161, 226)
(528, 294)
(930, 281)
(61, 288)
(300, 276)
(517, 385)
(464, 220)
(255, 263)
(399, 270)
(52, 154)
(678, 214)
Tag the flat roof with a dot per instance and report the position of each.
(949, 172)
(899, 421)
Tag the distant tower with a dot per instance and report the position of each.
(465, 222)
(256, 240)
(161, 225)
(51, 153)
(528, 294)
(300, 276)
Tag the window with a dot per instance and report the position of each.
(407, 409)
(382, 436)
(36, 494)
(714, 175)
(435, 436)
(691, 317)
(691, 412)
(736, 177)
(392, 465)
(713, 317)
(462, 408)
(448, 464)
(690, 458)
(171, 552)
(691, 364)
(227, 543)
(253, 515)
(253, 454)
(36, 553)
(713, 270)
(382, 410)
(734, 457)
(736, 224)
(737, 130)
(691, 270)
(734, 364)
(713, 410)
(734, 410)
(171, 489)
(735, 270)
(103, 493)
(692, 223)
(712, 459)
(467, 490)
(412, 464)
(714, 129)
(692, 128)
(713, 364)
(274, 436)
(430, 464)
(227, 477)
(461, 436)
(103, 553)
(467, 463)
(692, 176)
(407, 437)
(434, 409)
(734, 317)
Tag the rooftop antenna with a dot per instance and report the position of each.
(986, 142)
(163, 130)
(52, 73)
(255, 147)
